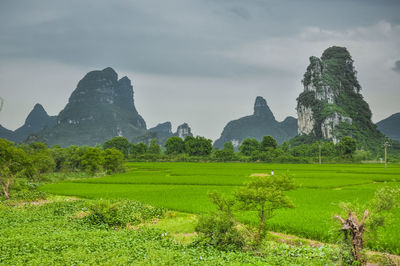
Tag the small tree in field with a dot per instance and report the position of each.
(14, 163)
(374, 216)
(265, 195)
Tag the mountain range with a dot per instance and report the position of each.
(102, 106)
(262, 122)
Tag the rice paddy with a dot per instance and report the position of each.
(184, 187)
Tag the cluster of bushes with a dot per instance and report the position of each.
(118, 214)
(250, 150)
(22, 166)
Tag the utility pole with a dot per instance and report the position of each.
(319, 148)
(386, 145)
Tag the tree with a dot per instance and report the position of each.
(92, 160)
(14, 163)
(113, 161)
(265, 195)
(347, 146)
(119, 143)
(226, 154)
(268, 142)
(248, 146)
(43, 162)
(154, 147)
(174, 145)
(198, 146)
(138, 149)
(385, 199)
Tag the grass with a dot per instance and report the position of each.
(48, 235)
(184, 187)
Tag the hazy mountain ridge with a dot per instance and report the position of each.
(37, 120)
(390, 126)
(262, 122)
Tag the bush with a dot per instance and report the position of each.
(120, 214)
(219, 231)
(113, 161)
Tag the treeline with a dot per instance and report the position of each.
(22, 166)
(250, 150)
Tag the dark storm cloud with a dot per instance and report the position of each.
(205, 57)
(166, 37)
(397, 66)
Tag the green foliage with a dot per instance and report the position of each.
(43, 162)
(218, 230)
(268, 142)
(226, 154)
(120, 214)
(385, 199)
(174, 145)
(14, 163)
(347, 146)
(198, 146)
(138, 149)
(185, 186)
(248, 146)
(266, 195)
(154, 147)
(113, 161)
(53, 234)
(119, 143)
(92, 160)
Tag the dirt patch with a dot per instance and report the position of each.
(259, 175)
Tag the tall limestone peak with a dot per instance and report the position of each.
(183, 131)
(100, 108)
(258, 125)
(262, 109)
(331, 105)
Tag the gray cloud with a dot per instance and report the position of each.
(218, 53)
(396, 67)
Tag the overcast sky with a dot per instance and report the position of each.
(200, 62)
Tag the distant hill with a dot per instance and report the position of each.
(100, 108)
(37, 120)
(261, 123)
(162, 132)
(390, 126)
(6, 133)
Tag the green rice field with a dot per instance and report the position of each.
(184, 187)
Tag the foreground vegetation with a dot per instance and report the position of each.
(184, 187)
(67, 231)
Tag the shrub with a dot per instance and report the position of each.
(120, 214)
(219, 231)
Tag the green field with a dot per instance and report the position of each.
(184, 187)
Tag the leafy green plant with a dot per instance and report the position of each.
(265, 194)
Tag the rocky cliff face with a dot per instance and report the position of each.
(390, 126)
(331, 105)
(162, 132)
(183, 131)
(100, 108)
(261, 123)
(37, 120)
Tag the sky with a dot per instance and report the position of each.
(197, 61)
